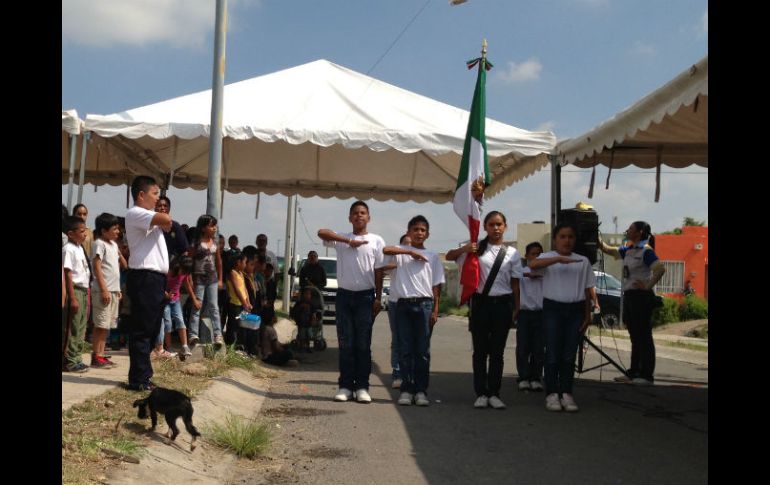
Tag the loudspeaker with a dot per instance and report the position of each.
(587, 224)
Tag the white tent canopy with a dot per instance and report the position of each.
(669, 126)
(315, 129)
(70, 123)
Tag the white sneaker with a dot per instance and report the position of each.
(343, 395)
(481, 402)
(535, 386)
(624, 379)
(524, 385)
(396, 384)
(496, 402)
(193, 340)
(363, 396)
(552, 402)
(405, 399)
(219, 341)
(568, 403)
(421, 399)
(186, 351)
(640, 381)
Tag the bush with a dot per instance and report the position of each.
(693, 308)
(668, 313)
(446, 303)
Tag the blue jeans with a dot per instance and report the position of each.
(394, 353)
(354, 332)
(530, 348)
(562, 336)
(172, 313)
(413, 325)
(208, 294)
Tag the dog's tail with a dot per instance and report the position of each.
(189, 426)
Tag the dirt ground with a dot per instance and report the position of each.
(679, 328)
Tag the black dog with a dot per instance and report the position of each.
(172, 404)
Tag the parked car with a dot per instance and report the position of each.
(329, 293)
(608, 291)
(385, 293)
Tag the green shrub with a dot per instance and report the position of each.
(243, 437)
(693, 308)
(668, 313)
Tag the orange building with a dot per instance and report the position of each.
(686, 258)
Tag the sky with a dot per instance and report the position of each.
(560, 65)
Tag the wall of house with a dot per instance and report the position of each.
(691, 247)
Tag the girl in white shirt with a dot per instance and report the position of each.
(567, 282)
(492, 315)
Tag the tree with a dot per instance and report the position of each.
(688, 221)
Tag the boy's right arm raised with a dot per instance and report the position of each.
(329, 235)
(393, 250)
(162, 220)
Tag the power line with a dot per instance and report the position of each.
(398, 37)
(299, 211)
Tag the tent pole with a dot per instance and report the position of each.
(73, 147)
(287, 257)
(83, 149)
(214, 197)
(294, 231)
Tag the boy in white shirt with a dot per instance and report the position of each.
(359, 296)
(77, 277)
(530, 343)
(418, 279)
(146, 281)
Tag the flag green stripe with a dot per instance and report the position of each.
(476, 125)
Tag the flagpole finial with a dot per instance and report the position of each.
(484, 49)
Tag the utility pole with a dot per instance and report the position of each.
(214, 194)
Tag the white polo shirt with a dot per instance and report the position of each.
(566, 283)
(145, 241)
(355, 266)
(511, 268)
(413, 278)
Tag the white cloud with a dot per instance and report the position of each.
(546, 126)
(642, 49)
(104, 23)
(528, 70)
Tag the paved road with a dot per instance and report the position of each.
(622, 434)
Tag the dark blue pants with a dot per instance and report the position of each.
(146, 289)
(354, 332)
(562, 336)
(413, 323)
(530, 345)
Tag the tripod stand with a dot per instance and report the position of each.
(580, 363)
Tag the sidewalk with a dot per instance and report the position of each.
(77, 388)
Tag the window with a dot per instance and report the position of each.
(673, 279)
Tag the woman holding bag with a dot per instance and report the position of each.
(493, 307)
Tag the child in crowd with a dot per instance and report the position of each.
(418, 279)
(395, 354)
(238, 294)
(272, 351)
(179, 274)
(207, 276)
(106, 262)
(77, 278)
(307, 314)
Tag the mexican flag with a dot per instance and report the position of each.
(474, 167)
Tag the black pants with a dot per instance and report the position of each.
(491, 319)
(146, 291)
(231, 330)
(638, 306)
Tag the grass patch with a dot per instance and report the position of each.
(684, 345)
(460, 311)
(244, 437)
(701, 331)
